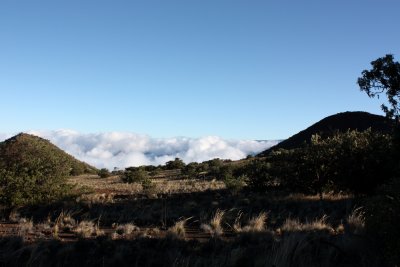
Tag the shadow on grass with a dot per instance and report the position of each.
(165, 210)
(317, 248)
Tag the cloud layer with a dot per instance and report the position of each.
(122, 149)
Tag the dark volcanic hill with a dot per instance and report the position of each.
(340, 122)
(26, 150)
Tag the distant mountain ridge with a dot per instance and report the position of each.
(23, 147)
(340, 122)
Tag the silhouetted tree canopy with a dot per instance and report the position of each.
(384, 77)
(175, 164)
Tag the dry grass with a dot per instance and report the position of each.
(96, 198)
(355, 221)
(112, 184)
(85, 229)
(256, 224)
(178, 230)
(44, 228)
(216, 222)
(104, 189)
(237, 226)
(294, 225)
(14, 216)
(302, 249)
(25, 226)
(65, 221)
(126, 229)
(187, 186)
(297, 197)
(290, 242)
(215, 227)
(290, 251)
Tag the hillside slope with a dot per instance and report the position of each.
(340, 122)
(28, 150)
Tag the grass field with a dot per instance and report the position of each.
(185, 222)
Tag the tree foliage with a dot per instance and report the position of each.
(352, 161)
(104, 173)
(134, 175)
(258, 173)
(235, 184)
(175, 164)
(190, 170)
(384, 77)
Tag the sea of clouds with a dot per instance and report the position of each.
(124, 149)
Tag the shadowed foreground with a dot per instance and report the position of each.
(290, 248)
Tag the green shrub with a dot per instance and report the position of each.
(175, 164)
(134, 175)
(103, 173)
(235, 184)
(148, 186)
(191, 170)
(77, 169)
(258, 172)
(220, 171)
(33, 171)
(353, 161)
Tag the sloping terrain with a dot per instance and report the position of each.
(340, 122)
(27, 150)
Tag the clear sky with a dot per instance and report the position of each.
(235, 69)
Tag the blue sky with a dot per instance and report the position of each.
(235, 69)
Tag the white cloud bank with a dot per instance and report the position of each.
(121, 149)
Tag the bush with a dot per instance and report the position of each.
(362, 161)
(104, 173)
(221, 171)
(175, 164)
(147, 185)
(258, 172)
(191, 170)
(28, 186)
(214, 168)
(155, 172)
(353, 161)
(235, 184)
(134, 175)
(77, 169)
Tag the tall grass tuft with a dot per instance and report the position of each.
(178, 230)
(126, 229)
(256, 224)
(355, 221)
(294, 225)
(25, 226)
(215, 227)
(85, 229)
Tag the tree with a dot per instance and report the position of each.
(190, 170)
(364, 160)
(257, 172)
(134, 175)
(175, 164)
(235, 184)
(104, 173)
(318, 164)
(384, 77)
